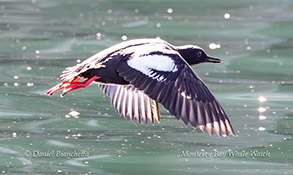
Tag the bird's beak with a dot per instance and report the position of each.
(214, 60)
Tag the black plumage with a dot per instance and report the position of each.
(138, 74)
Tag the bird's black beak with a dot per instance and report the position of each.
(214, 60)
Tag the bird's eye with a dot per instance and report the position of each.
(199, 54)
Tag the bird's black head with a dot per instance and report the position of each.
(194, 55)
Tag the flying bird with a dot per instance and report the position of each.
(138, 74)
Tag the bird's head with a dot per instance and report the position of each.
(194, 55)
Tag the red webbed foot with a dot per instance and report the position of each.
(71, 85)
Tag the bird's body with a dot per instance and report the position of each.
(137, 74)
(111, 57)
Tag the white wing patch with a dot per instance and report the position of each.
(147, 63)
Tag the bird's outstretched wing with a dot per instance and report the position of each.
(165, 77)
(129, 101)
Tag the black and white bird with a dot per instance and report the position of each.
(138, 74)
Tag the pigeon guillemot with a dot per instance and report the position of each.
(139, 74)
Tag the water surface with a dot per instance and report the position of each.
(82, 134)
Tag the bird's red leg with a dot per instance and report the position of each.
(77, 85)
(71, 85)
(60, 86)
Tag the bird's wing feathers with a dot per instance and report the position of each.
(168, 79)
(129, 101)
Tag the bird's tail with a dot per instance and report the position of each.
(71, 72)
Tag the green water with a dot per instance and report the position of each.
(39, 38)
